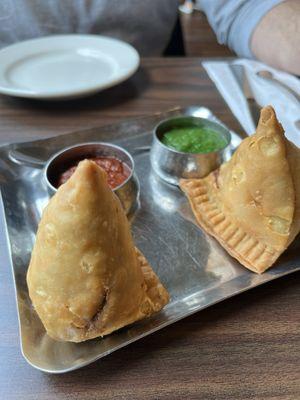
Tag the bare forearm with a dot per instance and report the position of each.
(276, 39)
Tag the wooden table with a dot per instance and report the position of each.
(243, 348)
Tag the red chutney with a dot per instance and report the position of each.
(117, 171)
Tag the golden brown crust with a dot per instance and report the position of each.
(293, 155)
(85, 278)
(156, 293)
(250, 204)
(244, 247)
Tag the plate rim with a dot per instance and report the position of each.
(72, 93)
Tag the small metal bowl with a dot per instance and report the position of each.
(172, 165)
(127, 192)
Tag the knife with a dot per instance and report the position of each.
(241, 77)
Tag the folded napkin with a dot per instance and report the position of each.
(265, 92)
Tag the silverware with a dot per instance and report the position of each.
(172, 165)
(24, 159)
(240, 75)
(128, 191)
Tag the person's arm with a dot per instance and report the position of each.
(268, 30)
(276, 39)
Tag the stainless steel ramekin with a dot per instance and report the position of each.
(172, 165)
(127, 192)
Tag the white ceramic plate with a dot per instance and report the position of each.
(65, 66)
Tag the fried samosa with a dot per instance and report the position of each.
(86, 278)
(251, 204)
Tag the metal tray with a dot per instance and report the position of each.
(195, 269)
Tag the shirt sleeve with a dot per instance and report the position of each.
(235, 20)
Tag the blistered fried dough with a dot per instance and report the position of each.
(86, 278)
(251, 205)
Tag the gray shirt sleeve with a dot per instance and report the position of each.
(146, 24)
(235, 20)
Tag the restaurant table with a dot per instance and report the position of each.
(246, 347)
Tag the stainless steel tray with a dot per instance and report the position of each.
(195, 269)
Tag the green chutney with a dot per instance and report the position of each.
(194, 139)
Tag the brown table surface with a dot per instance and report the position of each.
(243, 348)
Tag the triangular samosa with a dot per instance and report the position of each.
(86, 278)
(251, 204)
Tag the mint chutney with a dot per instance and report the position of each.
(194, 139)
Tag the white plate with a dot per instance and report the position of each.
(65, 66)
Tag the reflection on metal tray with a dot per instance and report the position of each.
(195, 269)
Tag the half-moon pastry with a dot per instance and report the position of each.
(86, 278)
(251, 204)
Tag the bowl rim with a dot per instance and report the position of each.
(103, 144)
(191, 117)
